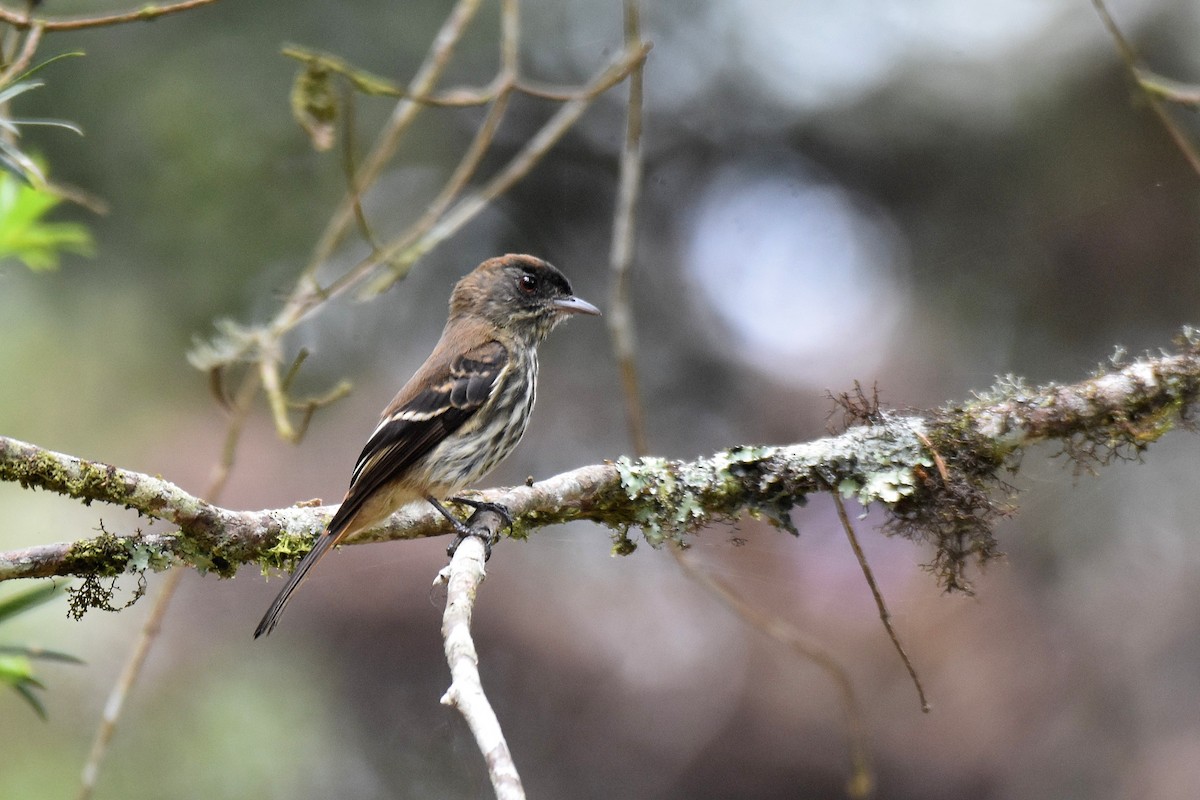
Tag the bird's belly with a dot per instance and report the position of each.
(468, 455)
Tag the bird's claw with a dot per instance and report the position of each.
(464, 532)
(487, 505)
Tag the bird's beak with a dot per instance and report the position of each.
(575, 305)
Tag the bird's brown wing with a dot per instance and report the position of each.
(414, 425)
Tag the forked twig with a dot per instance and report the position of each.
(388, 140)
(407, 249)
(1130, 57)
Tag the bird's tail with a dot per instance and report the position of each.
(320, 548)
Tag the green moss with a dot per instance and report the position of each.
(105, 555)
(524, 525)
(288, 549)
(956, 428)
(622, 545)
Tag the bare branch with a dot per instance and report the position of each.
(386, 144)
(148, 13)
(620, 317)
(25, 57)
(406, 250)
(1152, 95)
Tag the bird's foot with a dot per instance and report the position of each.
(488, 539)
(464, 531)
(487, 505)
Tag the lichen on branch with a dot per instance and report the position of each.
(940, 476)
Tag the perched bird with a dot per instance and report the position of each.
(463, 411)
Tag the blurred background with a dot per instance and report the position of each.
(922, 194)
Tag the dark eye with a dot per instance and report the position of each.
(527, 284)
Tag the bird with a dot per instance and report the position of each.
(462, 411)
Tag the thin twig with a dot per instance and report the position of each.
(475, 152)
(400, 256)
(457, 97)
(153, 625)
(462, 579)
(389, 138)
(125, 681)
(1187, 94)
(1130, 57)
(360, 79)
(548, 91)
(884, 614)
(146, 13)
(350, 170)
(25, 57)
(510, 38)
(620, 316)
(269, 374)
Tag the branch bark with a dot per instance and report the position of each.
(938, 474)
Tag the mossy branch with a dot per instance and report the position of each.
(940, 476)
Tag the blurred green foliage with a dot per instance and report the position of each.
(25, 195)
(24, 232)
(13, 159)
(16, 661)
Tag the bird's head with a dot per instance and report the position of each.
(521, 294)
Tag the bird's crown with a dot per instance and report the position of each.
(519, 293)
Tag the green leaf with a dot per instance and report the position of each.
(17, 672)
(19, 88)
(45, 655)
(24, 235)
(26, 600)
(26, 691)
(13, 160)
(16, 667)
(48, 62)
